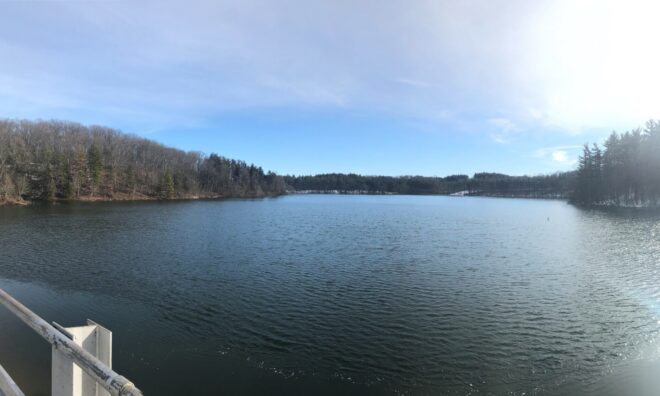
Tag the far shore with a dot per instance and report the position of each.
(124, 197)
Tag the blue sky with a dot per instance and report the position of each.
(376, 87)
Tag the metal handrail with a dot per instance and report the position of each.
(114, 383)
(7, 385)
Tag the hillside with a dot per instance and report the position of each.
(56, 160)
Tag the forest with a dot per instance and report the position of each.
(558, 185)
(624, 172)
(57, 160)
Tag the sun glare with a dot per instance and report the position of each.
(597, 61)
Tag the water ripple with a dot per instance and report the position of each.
(397, 295)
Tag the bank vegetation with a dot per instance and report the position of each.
(57, 160)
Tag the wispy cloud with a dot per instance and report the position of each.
(465, 58)
(504, 124)
(505, 129)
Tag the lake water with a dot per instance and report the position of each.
(343, 294)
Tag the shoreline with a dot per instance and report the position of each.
(195, 197)
(121, 198)
(458, 194)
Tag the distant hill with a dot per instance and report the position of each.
(56, 160)
(558, 185)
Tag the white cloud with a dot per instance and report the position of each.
(560, 156)
(545, 151)
(564, 155)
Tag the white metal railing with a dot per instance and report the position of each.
(98, 371)
(7, 385)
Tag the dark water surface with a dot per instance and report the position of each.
(343, 294)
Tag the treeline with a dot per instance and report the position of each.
(625, 172)
(55, 160)
(558, 185)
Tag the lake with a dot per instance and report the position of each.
(326, 294)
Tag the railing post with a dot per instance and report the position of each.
(67, 378)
